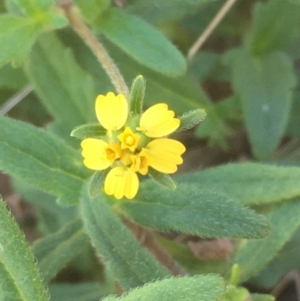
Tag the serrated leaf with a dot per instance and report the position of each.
(256, 254)
(275, 25)
(137, 94)
(203, 287)
(56, 250)
(67, 91)
(141, 41)
(40, 159)
(248, 183)
(94, 130)
(162, 178)
(264, 85)
(17, 35)
(116, 245)
(20, 280)
(190, 209)
(190, 119)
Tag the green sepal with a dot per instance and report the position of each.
(189, 119)
(234, 293)
(162, 178)
(92, 130)
(137, 94)
(96, 182)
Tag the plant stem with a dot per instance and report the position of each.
(210, 28)
(97, 48)
(147, 239)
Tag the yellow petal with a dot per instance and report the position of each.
(112, 111)
(158, 121)
(98, 155)
(121, 181)
(140, 164)
(164, 154)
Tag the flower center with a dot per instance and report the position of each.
(129, 140)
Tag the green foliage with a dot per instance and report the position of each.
(88, 131)
(204, 287)
(20, 280)
(274, 25)
(162, 179)
(129, 33)
(38, 158)
(56, 250)
(254, 255)
(12, 78)
(96, 182)
(137, 94)
(17, 36)
(131, 265)
(92, 9)
(182, 209)
(190, 119)
(249, 183)
(264, 85)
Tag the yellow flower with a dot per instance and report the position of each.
(121, 181)
(158, 121)
(98, 154)
(112, 111)
(129, 139)
(164, 154)
(127, 148)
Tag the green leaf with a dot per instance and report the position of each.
(40, 159)
(94, 130)
(285, 261)
(262, 297)
(67, 91)
(193, 210)
(117, 246)
(190, 119)
(256, 254)
(248, 183)
(17, 36)
(12, 78)
(79, 291)
(137, 94)
(96, 182)
(275, 25)
(30, 7)
(93, 8)
(56, 250)
(264, 85)
(20, 280)
(203, 287)
(142, 42)
(162, 178)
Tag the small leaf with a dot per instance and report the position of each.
(141, 41)
(262, 297)
(20, 280)
(256, 254)
(17, 36)
(40, 159)
(32, 7)
(12, 78)
(130, 264)
(189, 119)
(137, 94)
(94, 130)
(275, 25)
(190, 209)
(162, 178)
(248, 183)
(203, 287)
(96, 182)
(56, 250)
(92, 9)
(264, 85)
